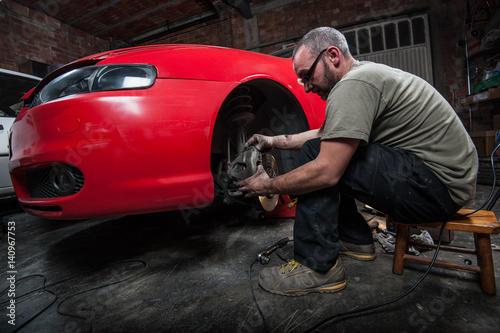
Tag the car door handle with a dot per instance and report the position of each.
(1, 127)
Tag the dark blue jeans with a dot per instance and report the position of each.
(393, 181)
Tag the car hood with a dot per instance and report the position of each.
(185, 61)
(198, 62)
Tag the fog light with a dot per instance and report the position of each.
(63, 180)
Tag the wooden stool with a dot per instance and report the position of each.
(482, 223)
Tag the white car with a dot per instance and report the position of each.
(13, 86)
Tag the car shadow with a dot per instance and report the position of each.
(168, 234)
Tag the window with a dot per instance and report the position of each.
(402, 42)
(13, 86)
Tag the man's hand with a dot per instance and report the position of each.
(261, 142)
(256, 185)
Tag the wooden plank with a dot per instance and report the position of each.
(470, 268)
(444, 248)
(483, 96)
(483, 221)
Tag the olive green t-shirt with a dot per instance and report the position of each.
(377, 103)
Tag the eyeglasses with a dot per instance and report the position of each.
(310, 72)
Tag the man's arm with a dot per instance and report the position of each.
(296, 141)
(322, 172)
(283, 142)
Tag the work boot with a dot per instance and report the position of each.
(359, 252)
(294, 279)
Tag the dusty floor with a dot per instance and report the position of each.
(188, 272)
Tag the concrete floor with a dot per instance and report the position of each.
(170, 272)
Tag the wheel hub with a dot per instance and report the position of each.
(246, 164)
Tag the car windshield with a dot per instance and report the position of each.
(13, 86)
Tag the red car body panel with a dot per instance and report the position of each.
(142, 150)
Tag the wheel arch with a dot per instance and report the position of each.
(276, 111)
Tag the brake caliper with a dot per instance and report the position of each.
(245, 165)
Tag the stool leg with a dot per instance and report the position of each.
(485, 263)
(402, 240)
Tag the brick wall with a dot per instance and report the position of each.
(27, 35)
(217, 32)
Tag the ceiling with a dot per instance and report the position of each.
(132, 22)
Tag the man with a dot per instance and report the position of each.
(389, 140)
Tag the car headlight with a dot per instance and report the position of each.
(97, 78)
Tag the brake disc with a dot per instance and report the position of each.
(245, 165)
(269, 202)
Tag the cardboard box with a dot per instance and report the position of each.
(496, 122)
(483, 96)
(484, 141)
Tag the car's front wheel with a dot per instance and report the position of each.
(259, 106)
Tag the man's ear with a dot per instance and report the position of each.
(333, 55)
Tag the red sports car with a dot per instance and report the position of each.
(154, 128)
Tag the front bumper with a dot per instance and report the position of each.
(129, 152)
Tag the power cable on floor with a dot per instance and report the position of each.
(44, 288)
(343, 314)
(372, 307)
(253, 295)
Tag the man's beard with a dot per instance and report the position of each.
(329, 81)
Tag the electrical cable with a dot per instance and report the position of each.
(263, 258)
(493, 186)
(253, 295)
(95, 288)
(19, 299)
(372, 307)
(44, 288)
(492, 161)
(368, 308)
